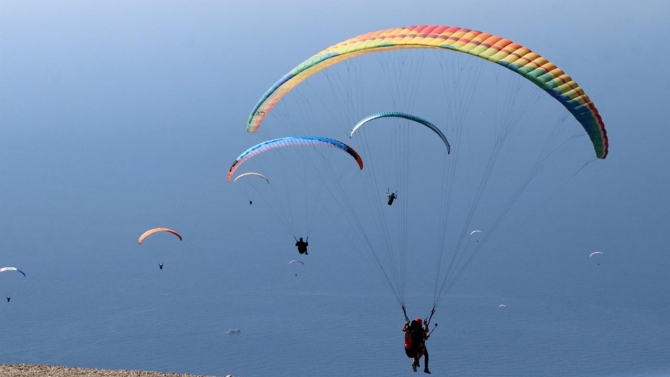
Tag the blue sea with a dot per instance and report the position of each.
(107, 305)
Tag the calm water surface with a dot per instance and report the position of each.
(574, 318)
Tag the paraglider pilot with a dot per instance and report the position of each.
(415, 346)
(8, 298)
(160, 265)
(391, 197)
(302, 245)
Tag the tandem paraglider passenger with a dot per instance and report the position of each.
(415, 346)
(302, 245)
(391, 197)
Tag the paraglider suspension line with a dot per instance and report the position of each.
(430, 317)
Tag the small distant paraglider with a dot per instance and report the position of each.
(233, 331)
(3, 269)
(596, 253)
(475, 232)
(252, 174)
(295, 261)
(157, 230)
(502, 306)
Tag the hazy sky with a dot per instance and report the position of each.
(98, 97)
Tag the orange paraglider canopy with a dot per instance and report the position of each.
(157, 230)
